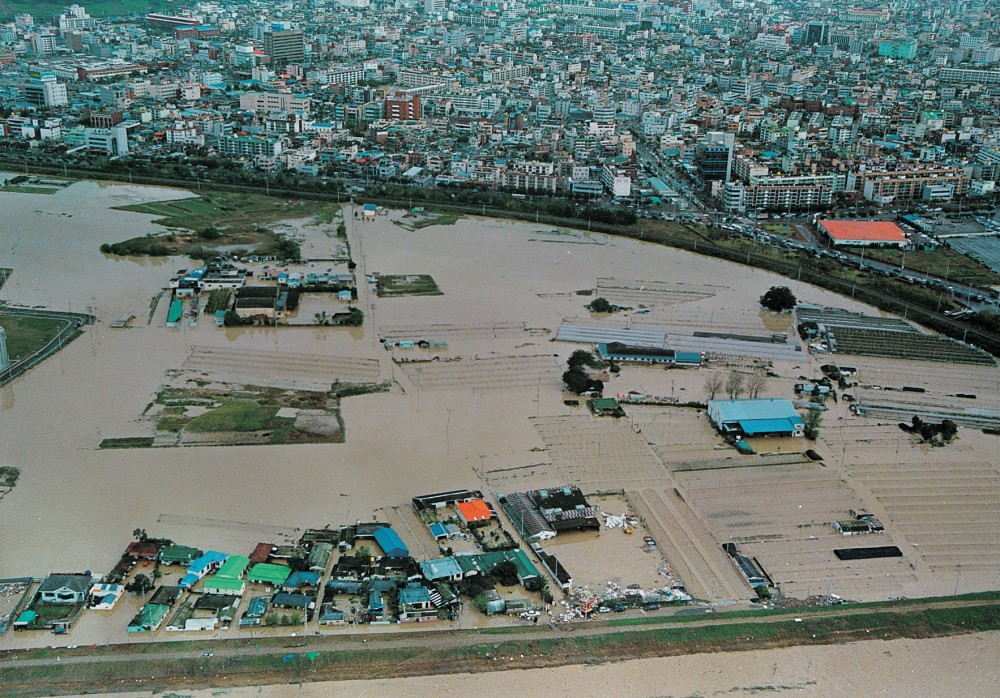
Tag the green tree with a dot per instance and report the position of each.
(778, 299)
(601, 305)
(140, 534)
(357, 317)
(580, 358)
(577, 381)
(140, 585)
(505, 574)
(813, 420)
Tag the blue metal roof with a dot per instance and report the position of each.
(412, 595)
(440, 568)
(767, 426)
(390, 542)
(757, 409)
(757, 416)
(301, 578)
(438, 530)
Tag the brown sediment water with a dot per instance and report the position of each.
(465, 420)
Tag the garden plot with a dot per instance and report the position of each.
(636, 294)
(902, 345)
(499, 373)
(711, 317)
(598, 453)
(838, 317)
(451, 332)
(947, 510)
(280, 369)
(938, 378)
(678, 434)
(783, 515)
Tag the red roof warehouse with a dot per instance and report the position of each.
(870, 233)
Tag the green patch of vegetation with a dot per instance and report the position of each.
(27, 335)
(219, 299)
(328, 213)
(342, 390)
(150, 245)
(216, 220)
(51, 612)
(8, 476)
(601, 305)
(943, 262)
(153, 302)
(97, 8)
(281, 429)
(21, 189)
(234, 415)
(127, 442)
(781, 229)
(391, 285)
(427, 220)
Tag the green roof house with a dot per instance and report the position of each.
(234, 567)
(267, 573)
(179, 555)
(226, 586)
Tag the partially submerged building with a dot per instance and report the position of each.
(628, 353)
(756, 417)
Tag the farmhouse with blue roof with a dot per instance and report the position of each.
(758, 417)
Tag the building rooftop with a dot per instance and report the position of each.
(868, 231)
(269, 573)
(390, 542)
(476, 510)
(440, 568)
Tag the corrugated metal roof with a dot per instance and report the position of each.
(391, 543)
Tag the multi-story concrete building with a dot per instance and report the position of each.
(905, 184)
(266, 102)
(284, 46)
(45, 91)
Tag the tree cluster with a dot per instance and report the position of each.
(813, 420)
(140, 585)
(601, 305)
(576, 378)
(778, 299)
(936, 434)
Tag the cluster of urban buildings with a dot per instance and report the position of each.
(746, 104)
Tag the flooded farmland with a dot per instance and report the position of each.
(485, 411)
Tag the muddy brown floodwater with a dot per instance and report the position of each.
(480, 420)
